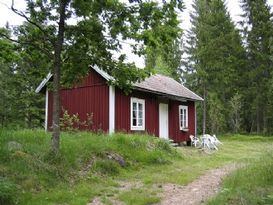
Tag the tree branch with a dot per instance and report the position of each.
(20, 13)
(30, 42)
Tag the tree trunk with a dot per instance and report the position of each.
(204, 110)
(56, 78)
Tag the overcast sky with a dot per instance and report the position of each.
(233, 7)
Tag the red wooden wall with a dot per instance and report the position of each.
(89, 96)
(174, 131)
(122, 112)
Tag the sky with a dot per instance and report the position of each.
(6, 15)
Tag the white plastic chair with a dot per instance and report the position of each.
(216, 140)
(194, 140)
(209, 142)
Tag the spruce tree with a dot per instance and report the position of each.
(215, 55)
(258, 34)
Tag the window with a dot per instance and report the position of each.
(137, 114)
(183, 117)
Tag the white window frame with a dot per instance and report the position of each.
(138, 101)
(184, 125)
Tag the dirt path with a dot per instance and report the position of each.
(195, 193)
(198, 191)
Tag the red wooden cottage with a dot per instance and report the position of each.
(159, 105)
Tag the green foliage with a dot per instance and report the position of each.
(166, 60)
(236, 112)
(215, 114)
(20, 72)
(73, 123)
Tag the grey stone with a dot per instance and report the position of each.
(14, 146)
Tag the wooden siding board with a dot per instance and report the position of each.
(80, 99)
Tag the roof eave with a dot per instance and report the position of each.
(105, 75)
(175, 97)
(43, 83)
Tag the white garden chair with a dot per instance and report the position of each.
(207, 144)
(216, 140)
(194, 140)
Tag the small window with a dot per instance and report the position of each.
(183, 117)
(137, 114)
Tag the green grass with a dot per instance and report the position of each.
(42, 178)
(33, 175)
(139, 197)
(252, 184)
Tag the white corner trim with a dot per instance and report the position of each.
(111, 109)
(46, 109)
(138, 101)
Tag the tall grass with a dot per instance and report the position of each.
(251, 184)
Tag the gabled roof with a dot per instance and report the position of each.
(164, 85)
(158, 84)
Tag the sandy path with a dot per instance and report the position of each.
(198, 191)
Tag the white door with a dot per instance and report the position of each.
(163, 121)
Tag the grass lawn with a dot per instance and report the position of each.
(31, 174)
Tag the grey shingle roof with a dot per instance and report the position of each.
(164, 85)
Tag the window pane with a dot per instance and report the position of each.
(134, 122)
(134, 118)
(140, 107)
(140, 114)
(140, 122)
(134, 106)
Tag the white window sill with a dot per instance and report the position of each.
(137, 128)
(184, 129)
